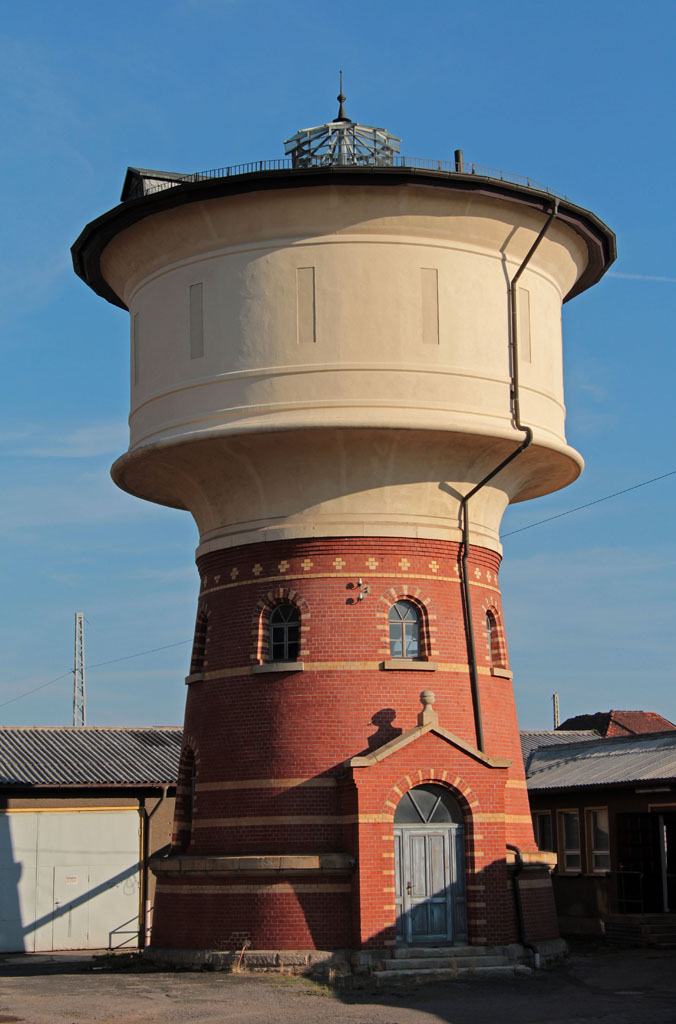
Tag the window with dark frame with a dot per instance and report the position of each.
(542, 828)
(284, 633)
(598, 844)
(570, 859)
(404, 623)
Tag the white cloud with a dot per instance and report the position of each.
(178, 574)
(77, 501)
(594, 625)
(45, 441)
(641, 277)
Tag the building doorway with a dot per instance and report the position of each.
(429, 868)
(646, 876)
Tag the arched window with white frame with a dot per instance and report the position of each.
(404, 626)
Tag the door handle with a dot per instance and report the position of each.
(408, 888)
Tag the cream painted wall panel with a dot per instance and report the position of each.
(365, 306)
(201, 228)
(69, 880)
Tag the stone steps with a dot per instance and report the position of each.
(437, 952)
(643, 930)
(446, 963)
(452, 962)
(422, 974)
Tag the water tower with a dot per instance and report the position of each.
(345, 364)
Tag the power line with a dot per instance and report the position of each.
(127, 657)
(112, 661)
(179, 643)
(570, 511)
(36, 688)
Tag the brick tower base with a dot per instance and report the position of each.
(292, 771)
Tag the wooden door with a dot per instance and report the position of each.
(429, 885)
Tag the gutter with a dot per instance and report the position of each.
(464, 502)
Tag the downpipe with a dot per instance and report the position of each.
(519, 905)
(464, 501)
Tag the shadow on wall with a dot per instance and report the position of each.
(385, 730)
(50, 900)
(12, 936)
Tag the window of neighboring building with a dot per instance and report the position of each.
(598, 845)
(404, 622)
(542, 827)
(284, 633)
(569, 841)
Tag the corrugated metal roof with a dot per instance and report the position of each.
(89, 755)
(606, 761)
(532, 740)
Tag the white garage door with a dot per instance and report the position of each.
(69, 879)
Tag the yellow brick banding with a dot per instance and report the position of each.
(405, 589)
(265, 889)
(324, 782)
(291, 819)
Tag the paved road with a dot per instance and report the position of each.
(597, 987)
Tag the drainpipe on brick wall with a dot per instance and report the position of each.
(519, 905)
(464, 501)
(144, 930)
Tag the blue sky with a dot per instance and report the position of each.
(579, 96)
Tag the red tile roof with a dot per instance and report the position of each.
(620, 723)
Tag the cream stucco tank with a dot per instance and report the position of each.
(354, 319)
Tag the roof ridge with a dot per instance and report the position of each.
(90, 728)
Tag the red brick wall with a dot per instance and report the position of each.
(250, 730)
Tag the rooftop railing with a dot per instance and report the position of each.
(449, 167)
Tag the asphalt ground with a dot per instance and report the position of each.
(597, 985)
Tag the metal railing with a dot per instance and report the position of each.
(626, 892)
(448, 167)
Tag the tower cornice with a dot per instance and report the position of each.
(92, 241)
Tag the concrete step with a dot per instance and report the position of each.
(421, 974)
(425, 952)
(451, 962)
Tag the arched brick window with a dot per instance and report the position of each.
(404, 626)
(200, 641)
(496, 644)
(284, 641)
(185, 800)
(280, 623)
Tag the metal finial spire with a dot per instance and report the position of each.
(341, 99)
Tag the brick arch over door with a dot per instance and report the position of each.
(260, 622)
(461, 790)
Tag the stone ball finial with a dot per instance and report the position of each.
(428, 715)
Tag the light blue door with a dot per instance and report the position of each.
(425, 886)
(429, 863)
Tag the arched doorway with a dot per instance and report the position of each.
(429, 867)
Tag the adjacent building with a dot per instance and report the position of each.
(81, 812)
(607, 807)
